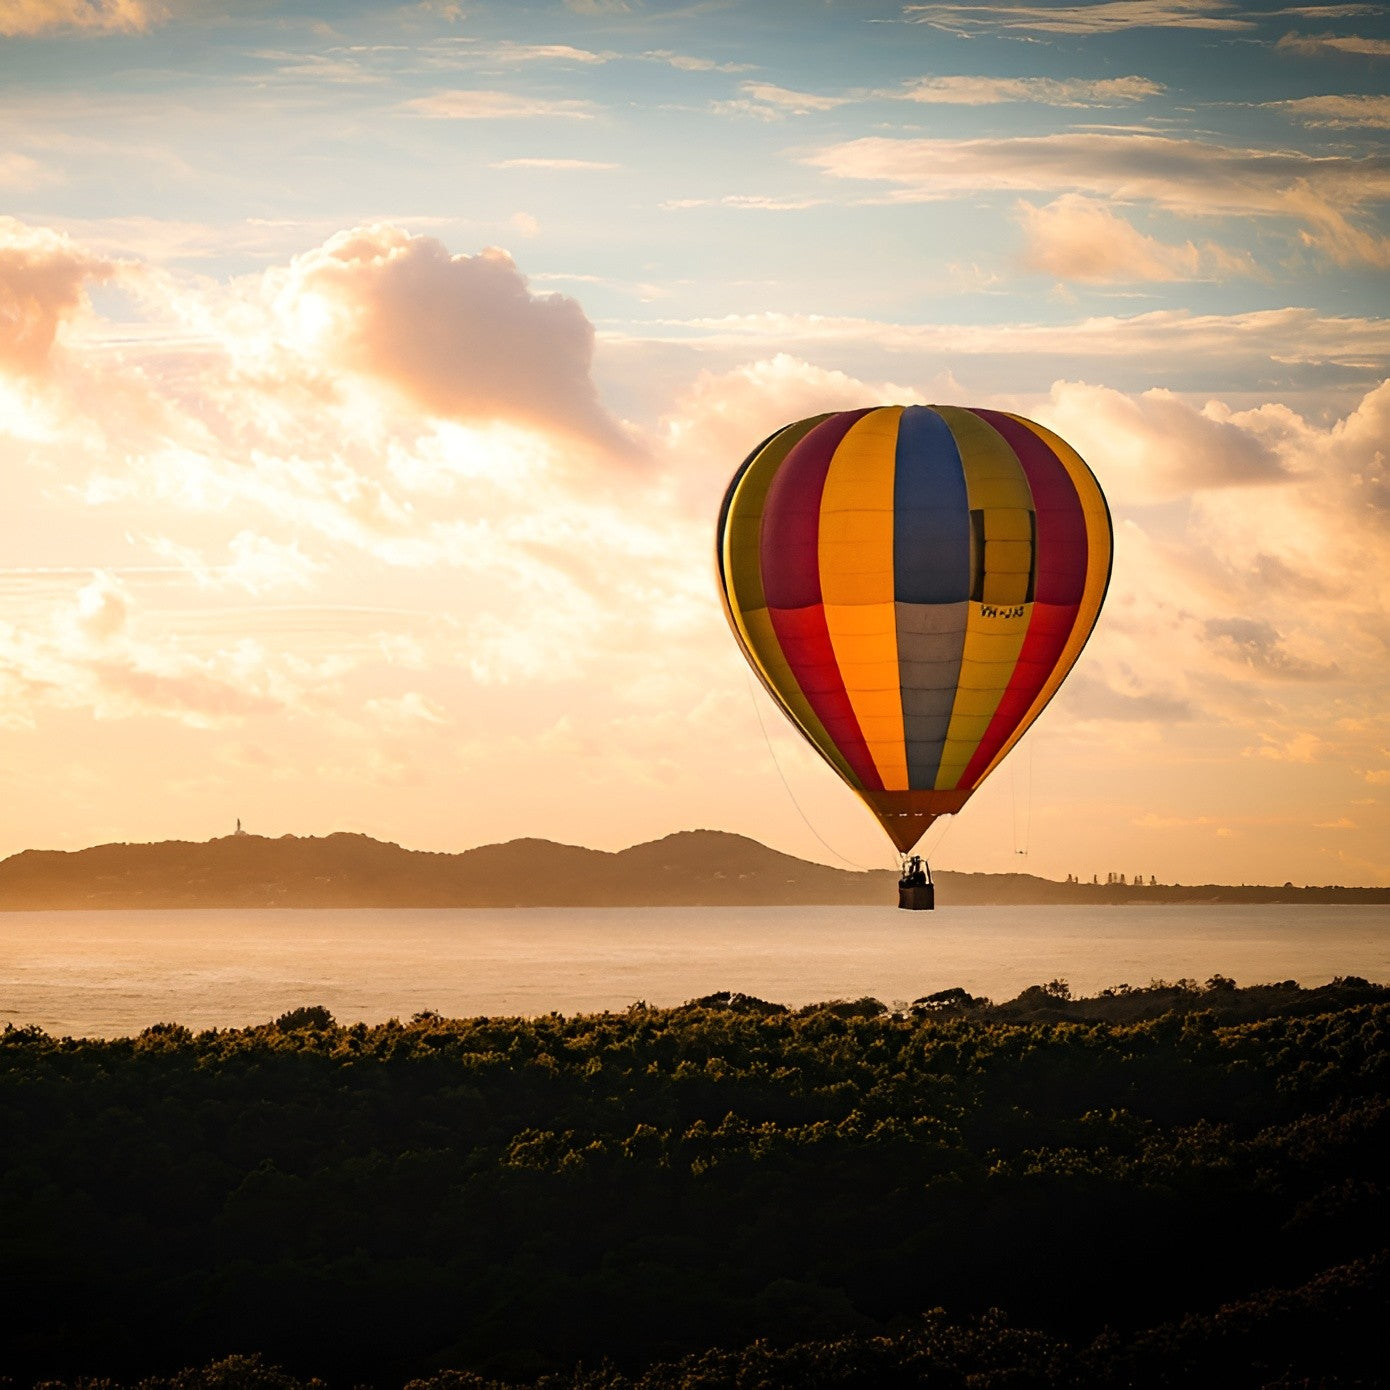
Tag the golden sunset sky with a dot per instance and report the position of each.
(370, 375)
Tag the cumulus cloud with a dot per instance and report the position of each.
(1158, 446)
(43, 275)
(19, 18)
(1106, 17)
(1185, 176)
(1043, 91)
(1252, 562)
(102, 607)
(462, 336)
(722, 415)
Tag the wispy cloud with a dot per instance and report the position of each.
(1186, 176)
(748, 202)
(770, 102)
(1044, 91)
(336, 66)
(558, 164)
(1341, 112)
(685, 62)
(1168, 336)
(463, 105)
(1109, 16)
(510, 52)
(1319, 45)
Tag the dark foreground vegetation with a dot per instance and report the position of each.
(1170, 1186)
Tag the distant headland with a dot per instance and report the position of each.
(694, 868)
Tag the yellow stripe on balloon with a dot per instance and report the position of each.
(1099, 549)
(996, 622)
(855, 553)
(747, 604)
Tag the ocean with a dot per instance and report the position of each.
(111, 974)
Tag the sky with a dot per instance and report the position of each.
(370, 376)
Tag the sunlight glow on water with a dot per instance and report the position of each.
(109, 974)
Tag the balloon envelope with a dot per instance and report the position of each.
(912, 584)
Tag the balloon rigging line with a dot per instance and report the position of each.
(753, 697)
(950, 826)
(1023, 772)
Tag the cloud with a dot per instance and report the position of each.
(723, 414)
(1167, 336)
(1255, 643)
(42, 279)
(558, 165)
(1339, 112)
(1159, 446)
(102, 607)
(256, 564)
(509, 52)
(1092, 696)
(771, 102)
(498, 106)
(1106, 17)
(1302, 747)
(20, 171)
(23, 18)
(461, 336)
(399, 713)
(1082, 239)
(1184, 176)
(89, 655)
(684, 62)
(1320, 45)
(749, 202)
(1044, 91)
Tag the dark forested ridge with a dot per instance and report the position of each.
(700, 868)
(1177, 1185)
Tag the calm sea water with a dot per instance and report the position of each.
(109, 974)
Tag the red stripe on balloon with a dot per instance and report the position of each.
(790, 537)
(789, 554)
(1061, 579)
(805, 641)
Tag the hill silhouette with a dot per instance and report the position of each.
(703, 868)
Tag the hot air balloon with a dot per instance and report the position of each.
(912, 584)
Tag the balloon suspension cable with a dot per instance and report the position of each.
(931, 854)
(1025, 773)
(771, 752)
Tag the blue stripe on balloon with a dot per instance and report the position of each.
(931, 513)
(931, 577)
